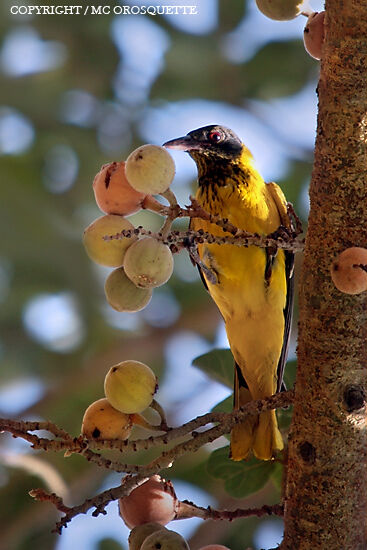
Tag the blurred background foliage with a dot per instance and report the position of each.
(77, 92)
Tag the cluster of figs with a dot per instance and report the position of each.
(141, 264)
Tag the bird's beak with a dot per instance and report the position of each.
(185, 143)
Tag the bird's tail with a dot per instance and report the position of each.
(259, 433)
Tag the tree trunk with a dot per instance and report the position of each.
(326, 485)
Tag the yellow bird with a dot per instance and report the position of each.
(254, 286)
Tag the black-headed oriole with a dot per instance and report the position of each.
(254, 288)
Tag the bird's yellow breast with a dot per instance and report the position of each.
(241, 290)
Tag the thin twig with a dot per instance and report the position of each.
(188, 509)
(26, 425)
(237, 237)
(242, 238)
(99, 502)
(163, 426)
(198, 439)
(43, 496)
(80, 444)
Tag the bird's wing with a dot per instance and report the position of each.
(280, 201)
(288, 314)
(281, 204)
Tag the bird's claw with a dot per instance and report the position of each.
(295, 221)
(282, 233)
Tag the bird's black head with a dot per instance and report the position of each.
(209, 141)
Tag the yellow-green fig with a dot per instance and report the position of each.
(123, 295)
(107, 252)
(141, 532)
(165, 540)
(148, 263)
(130, 386)
(280, 10)
(102, 421)
(150, 169)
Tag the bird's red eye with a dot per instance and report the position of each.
(215, 136)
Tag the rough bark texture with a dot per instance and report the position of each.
(326, 486)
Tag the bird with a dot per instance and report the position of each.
(251, 286)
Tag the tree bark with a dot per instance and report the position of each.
(326, 483)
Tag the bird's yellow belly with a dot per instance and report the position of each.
(252, 309)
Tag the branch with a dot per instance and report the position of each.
(84, 446)
(178, 240)
(198, 439)
(142, 473)
(285, 239)
(185, 508)
(188, 509)
(24, 425)
(43, 496)
(99, 502)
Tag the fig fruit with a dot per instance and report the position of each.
(313, 34)
(130, 386)
(141, 532)
(113, 193)
(349, 270)
(280, 10)
(153, 501)
(150, 169)
(149, 263)
(107, 252)
(102, 421)
(165, 540)
(123, 295)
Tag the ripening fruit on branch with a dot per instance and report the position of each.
(349, 270)
(280, 10)
(113, 193)
(150, 169)
(313, 34)
(148, 263)
(107, 252)
(102, 421)
(123, 295)
(141, 532)
(153, 501)
(130, 386)
(165, 540)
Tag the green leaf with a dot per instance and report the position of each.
(277, 475)
(266, 71)
(284, 417)
(225, 406)
(290, 373)
(218, 365)
(241, 478)
(109, 544)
